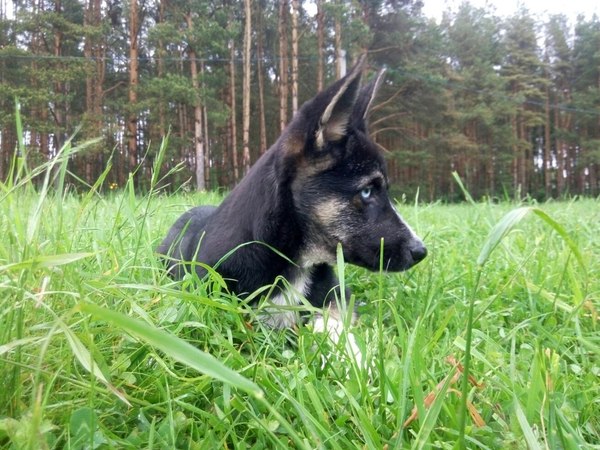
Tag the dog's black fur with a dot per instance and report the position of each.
(322, 183)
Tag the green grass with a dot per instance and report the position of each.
(95, 340)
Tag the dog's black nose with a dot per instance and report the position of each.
(418, 252)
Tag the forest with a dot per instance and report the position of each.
(511, 104)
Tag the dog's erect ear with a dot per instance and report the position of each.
(365, 101)
(338, 109)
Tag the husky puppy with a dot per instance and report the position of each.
(323, 183)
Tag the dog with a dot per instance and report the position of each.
(321, 184)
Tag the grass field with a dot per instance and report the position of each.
(95, 341)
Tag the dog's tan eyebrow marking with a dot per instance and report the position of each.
(372, 178)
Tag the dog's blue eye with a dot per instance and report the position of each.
(366, 193)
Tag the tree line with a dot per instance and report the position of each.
(512, 104)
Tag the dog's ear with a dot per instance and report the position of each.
(337, 104)
(365, 101)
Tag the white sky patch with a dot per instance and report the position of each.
(505, 8)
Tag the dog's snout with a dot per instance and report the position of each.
(418, 251)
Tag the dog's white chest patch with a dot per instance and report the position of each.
(290, 295)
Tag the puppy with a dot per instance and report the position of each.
(323, 183)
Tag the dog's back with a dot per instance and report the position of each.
(183, 238)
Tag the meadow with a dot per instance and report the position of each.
(99, 349)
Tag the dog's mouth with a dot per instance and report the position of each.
(391, 261)
(400, 265)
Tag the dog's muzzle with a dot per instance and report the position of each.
(418, 251)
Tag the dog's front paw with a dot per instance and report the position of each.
(344, 342)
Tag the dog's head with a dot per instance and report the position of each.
(339, 181)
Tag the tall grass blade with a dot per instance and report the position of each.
(175, 347)
(45, 261)
(528, 433)
(512, 218)
(433, 412)
(21, 151)
(501, 229)
(562, 233)
(62, 172)
(463, 188)
(96, 186)
(8, 347)
(87, 361)
(160, 156)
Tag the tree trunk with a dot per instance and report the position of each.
(207, 155)
(132, 121)
(492, 169)
(60, 108)
(593, 177)
(87, 53)
(246, 88)
(160, 63)
(523, 158)
(570, 148)
(560, 157)
(93, 50)
(198, 136)
(283, 64)
(261, 84)
(320, 45)
(339, 52)
(232, 117)
(515, 156)
(295, 12)
(547, 163)
(88, 17)
(43, 135)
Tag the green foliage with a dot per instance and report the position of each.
(176, 348)
(99, 349)
(510, 103)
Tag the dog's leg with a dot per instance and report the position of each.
(332, 322)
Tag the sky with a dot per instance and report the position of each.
(541, 8)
